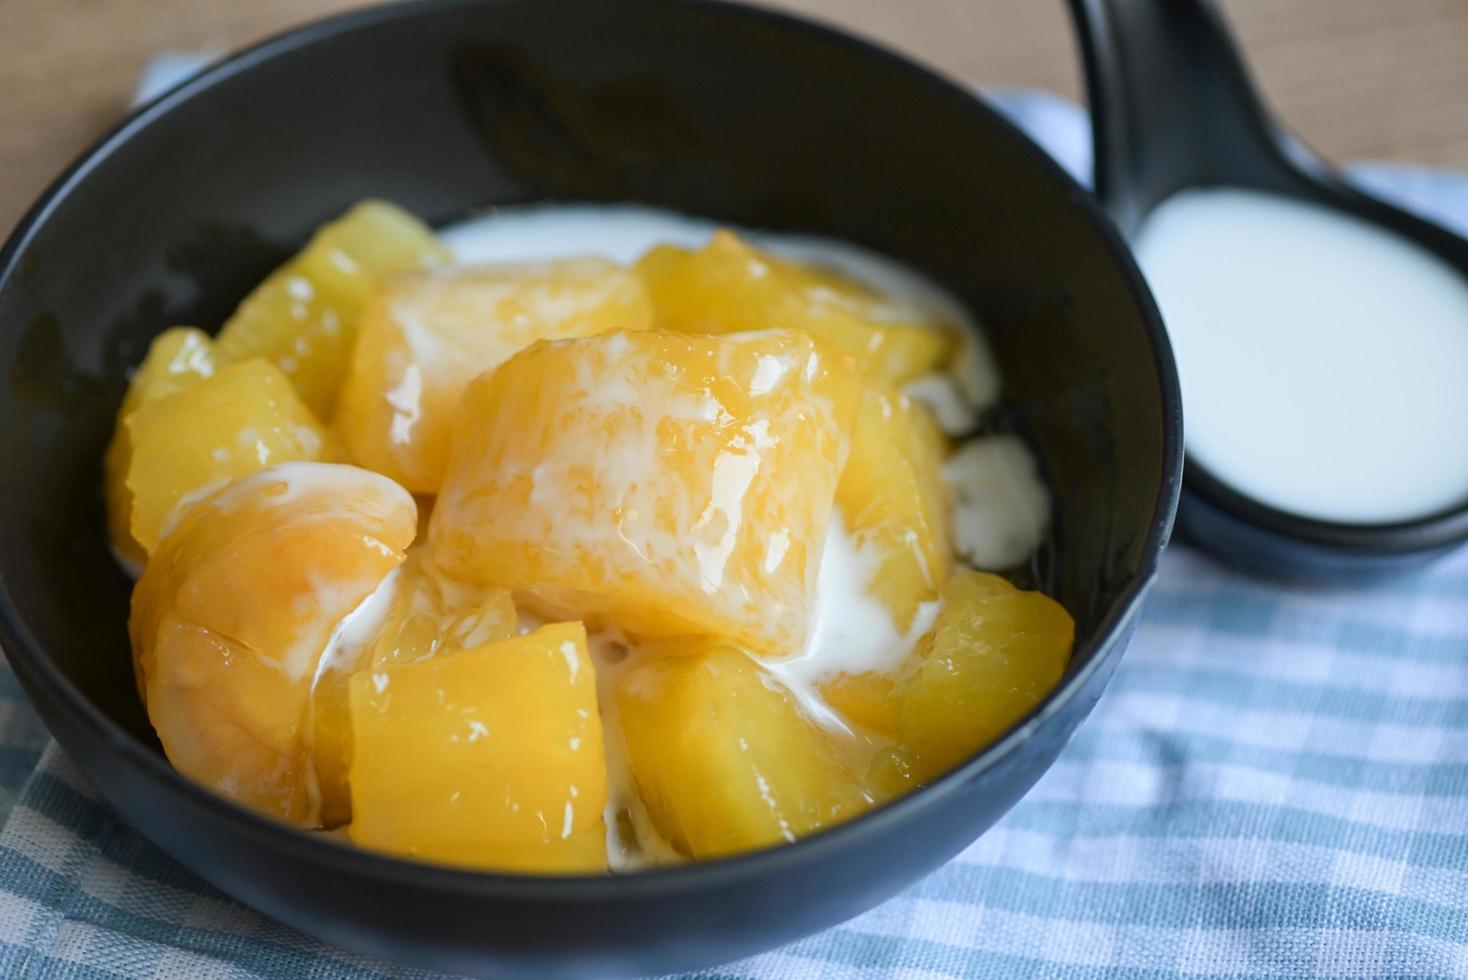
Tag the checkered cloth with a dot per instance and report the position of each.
(1275, 784)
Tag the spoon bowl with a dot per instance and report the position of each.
(1173, 109)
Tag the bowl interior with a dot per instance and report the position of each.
(451, 107)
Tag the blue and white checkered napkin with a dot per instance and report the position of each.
(1275, 784)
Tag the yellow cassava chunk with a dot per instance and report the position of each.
(240, 419)
(432, 613)
(232, 615)
(868, 699)
(303, 317)
(424, 337)
(893, 500)
(675, 483)
(995, 653)
(729, 286)
(723, 756)
(176, 359)
(485, 758)
(423, 614)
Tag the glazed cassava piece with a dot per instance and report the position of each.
(176, 359)
(727, 287)
(235, 611)
(489, 757)
(674, 483)
(725, 759)
(237, 420)
(994, 653)
(895, 503)
(303, 318)
(425, 336)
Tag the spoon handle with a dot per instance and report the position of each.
(1171, 102)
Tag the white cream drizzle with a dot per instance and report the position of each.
(945, 398)
(360, 627)
(852, 632)
(352, 633)
(610, 653)
(1001, 507)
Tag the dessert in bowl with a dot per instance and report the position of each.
(686, 584)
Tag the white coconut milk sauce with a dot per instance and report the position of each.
(1323, 359)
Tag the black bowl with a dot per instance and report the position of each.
(708, 108)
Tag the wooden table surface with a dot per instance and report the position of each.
(1386, 79)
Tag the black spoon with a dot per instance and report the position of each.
(1173, 108)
